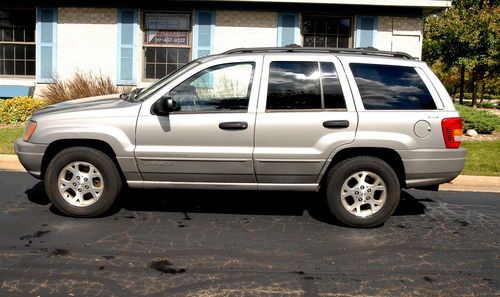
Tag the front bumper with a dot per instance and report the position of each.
(30, 155)
(432, 167)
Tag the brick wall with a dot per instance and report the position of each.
(400, 34)
(244, 29)
(87, 41)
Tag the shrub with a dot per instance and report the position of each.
(488, 105)
(17, 110)
(481, 121)
(469, 96)
(81, 85)
(484, 104)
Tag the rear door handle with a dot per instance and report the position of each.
(233, 125)
(336, 124)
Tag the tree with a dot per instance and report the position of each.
(449, 77)
(465, 37)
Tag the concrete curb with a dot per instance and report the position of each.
(463, 183)
(471, 183)
(10, 163)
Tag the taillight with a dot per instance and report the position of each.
(452, 132)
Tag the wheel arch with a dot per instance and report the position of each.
(388, 155)
(57, 146)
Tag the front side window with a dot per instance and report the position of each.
(220, 88)
(17, 42)
(386, 87)
(167, 42)
(303, 85)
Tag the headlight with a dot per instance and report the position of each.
(29, 130)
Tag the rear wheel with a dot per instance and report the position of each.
(362, 191)
(82, 182)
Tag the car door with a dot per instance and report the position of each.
(305, 112)
(210, 139)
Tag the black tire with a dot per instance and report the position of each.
(340, 174)
(110, 178)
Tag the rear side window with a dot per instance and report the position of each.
(385, 87)
(293, 85)
(304, 85)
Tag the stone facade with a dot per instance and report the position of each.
(87, 41)
(245, 29)
(400, 34)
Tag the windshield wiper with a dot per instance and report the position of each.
(124, 96)
(132, 95)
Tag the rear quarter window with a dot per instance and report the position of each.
(387, 87)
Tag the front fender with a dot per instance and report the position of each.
(118, 132)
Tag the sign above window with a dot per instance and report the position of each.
(168, 38)
(170, 29)
(168, 21)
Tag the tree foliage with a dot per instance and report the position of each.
(465, 37)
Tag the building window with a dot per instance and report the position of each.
(327, 31)
(17, 42)
(167, 42)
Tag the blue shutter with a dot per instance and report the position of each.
(46, 22)
(127, 41)
(288, 29)
(366, 31)
(203, 33)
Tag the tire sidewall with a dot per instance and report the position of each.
(98, 159)
(348, 167)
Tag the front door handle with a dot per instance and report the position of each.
(233, 125)
(336, 124)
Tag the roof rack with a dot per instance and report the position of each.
(294, 48)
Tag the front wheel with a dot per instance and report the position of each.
(82, 182)
(362, 191)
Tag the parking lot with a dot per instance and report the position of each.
(242, 243)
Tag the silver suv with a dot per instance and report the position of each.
(358, 124)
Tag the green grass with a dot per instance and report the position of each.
(483, 158)
(8, 136)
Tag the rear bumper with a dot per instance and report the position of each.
(30, 155)
(432, 167)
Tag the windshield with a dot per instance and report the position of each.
(146, 92)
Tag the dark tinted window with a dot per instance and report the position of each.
(326, 31)
(391, 87)
(293, 85)
(332, 92)
(17, 42)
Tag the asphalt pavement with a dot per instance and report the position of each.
(244, 243)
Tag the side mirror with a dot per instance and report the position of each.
(164, 105)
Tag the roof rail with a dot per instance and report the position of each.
(360, 51)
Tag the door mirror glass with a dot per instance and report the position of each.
(165, 105)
